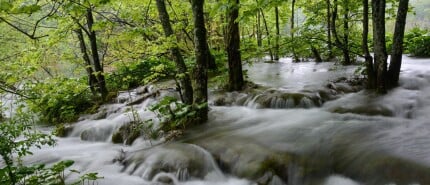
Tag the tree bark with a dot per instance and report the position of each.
(277, 33)
(92, 80)
(185, 81)
(293, 5)
(397, 50)
(211, 60)
(201, 78)
(329, 42)
(345, 50)
(267, 33)
(380, 51)
(371, 79)
(316, 54)
(338, 42)
(259, 42)
(233, 48)
(95, 55)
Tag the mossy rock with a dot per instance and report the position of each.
(126, 134)
(188, 160)
(381, 168)
(62, 130)
(370, 110)
(248, 160)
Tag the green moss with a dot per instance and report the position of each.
(60, 130)
(117, 138)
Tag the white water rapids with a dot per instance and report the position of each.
(359, 136)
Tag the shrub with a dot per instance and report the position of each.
(17, 136)
(60, 100)
(417, 42)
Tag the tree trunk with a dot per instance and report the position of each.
(95, 55)
(339, 44)
(397, 51)
(277, 34)
(295, 57)
(378, 17)
(211, 60)
(233, 48)
(201, 78)
(259, 42)
(92, 80)
(186, 87)
(371, 79)
(329, 42)
(268, 34)
(345, 50)
(316, 54)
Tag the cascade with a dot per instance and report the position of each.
(301, 126)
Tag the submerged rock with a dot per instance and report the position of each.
(374, 110)
(248, 160)
(126, 134)
(183, 161)
(263, 97)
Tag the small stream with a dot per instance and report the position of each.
(353, 137)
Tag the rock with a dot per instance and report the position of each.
(370, 110)
(185, 160)
(126, 134)
(63, 130)
(247, 160)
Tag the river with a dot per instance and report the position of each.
(354, 137)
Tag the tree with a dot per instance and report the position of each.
(385, 79)
(233, 48)
(293, 6)
(329, 42)
(379, 48)
(98, 68)
(343, 44)
(397, 51)
(185, 81)
(92, 80)
(202, 57)
(277, 33)
(365, 47)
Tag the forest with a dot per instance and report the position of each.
(268, 92)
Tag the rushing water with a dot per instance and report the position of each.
(359, 138)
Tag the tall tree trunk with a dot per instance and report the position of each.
(380, 51)
(92, 80)
(259, 42)
(211, 60)
(397, 51)
(233, 48)
(329, 42)
(371, 78)
(95, 55)
(201, 78)
(277, 33)
(293, 5)
(345, 50)
(338, 42)
(185, 81)
(267, 33)
(316, 54)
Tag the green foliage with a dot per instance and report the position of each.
(60, 100)
(174, 114)
(132, 74)
(17, 138)
(417, 42)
